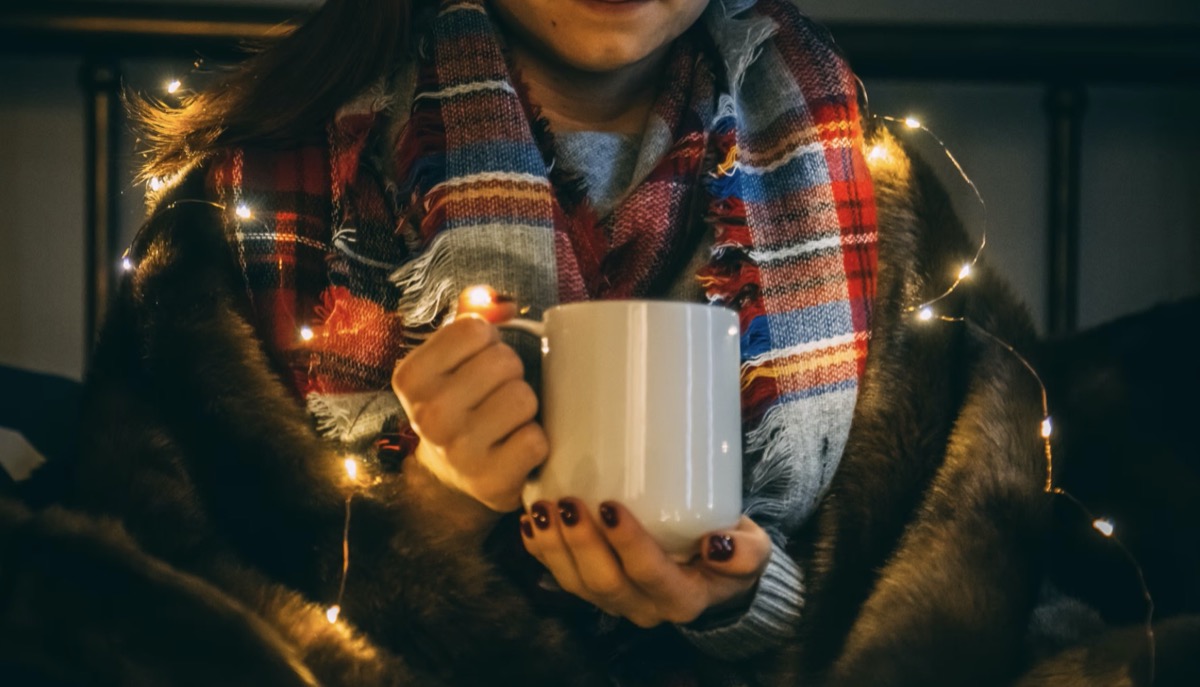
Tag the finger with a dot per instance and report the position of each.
(509, 407)
(679, 592)
(599, 568)
(505, 468)
(521, 452)
(422, 371)
(481, 375)
(742, 552)
(547, 546)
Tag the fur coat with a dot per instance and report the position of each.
(202, 530)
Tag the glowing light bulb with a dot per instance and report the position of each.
(174, 86)
(156, 184)
(925, 315)
(479, 296)
(351, 466)
(912, 122)
(243, 211)
(1047, 428)
(1104, 526)
(965, 271)
(306, 333)
(877, 153)
(332, 613)
(126, 264)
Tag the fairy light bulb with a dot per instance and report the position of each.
(126, 264)
(243, 211)
(157, 184)
(912, 122)
(351, 466)
(925, 314)
(877, 153)
(479, 297)
(174, 86)
(332, 613)
(306, 333)
(1104, 526)
(1047, 428)
(965, 271)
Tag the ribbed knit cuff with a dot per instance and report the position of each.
(769, 621)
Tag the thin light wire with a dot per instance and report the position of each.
(925, 313)
(983, 237)
(345, 552)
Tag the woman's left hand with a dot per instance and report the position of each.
(609, 560)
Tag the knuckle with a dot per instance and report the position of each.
(401, 379)
(535, 442)
(429, 418)
(474, 330)
(523, 399)
(605, 585)
(505, 362)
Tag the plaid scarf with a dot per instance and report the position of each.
(355, 247)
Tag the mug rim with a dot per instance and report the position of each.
(648, 302)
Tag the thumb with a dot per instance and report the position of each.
(741, 552)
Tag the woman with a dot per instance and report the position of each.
(332, 197)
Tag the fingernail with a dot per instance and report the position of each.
(526, 528)
(608, 514)
(568, 512)
(540, 515)
(720, 548)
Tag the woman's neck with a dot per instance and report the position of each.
(577, 100)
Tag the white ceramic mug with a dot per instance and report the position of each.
(641, 405)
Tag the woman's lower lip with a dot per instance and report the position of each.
(615, 7)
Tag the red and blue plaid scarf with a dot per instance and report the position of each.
(357, 245)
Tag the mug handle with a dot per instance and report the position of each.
(533, 327)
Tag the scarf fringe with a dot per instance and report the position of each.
(425, 296)
(748, 35)
(769, 484)
(353, 420)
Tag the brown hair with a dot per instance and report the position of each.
(283, 91)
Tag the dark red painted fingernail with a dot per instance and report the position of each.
(541, 515)
(720, 548)
(608, 514)
(568, 512)
(526, 528)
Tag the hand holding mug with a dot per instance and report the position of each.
(613, 563)
(465, 396)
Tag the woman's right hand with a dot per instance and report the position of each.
(466, 398)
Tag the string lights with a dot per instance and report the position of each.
(334, 612)
(925, 313)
